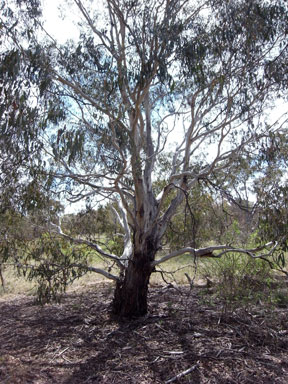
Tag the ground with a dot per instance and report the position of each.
(78, 342)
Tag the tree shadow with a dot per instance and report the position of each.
(78, 342)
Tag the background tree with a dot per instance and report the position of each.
(141, 75)
(270, 186)
(25, 112)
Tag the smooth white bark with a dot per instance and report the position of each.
(209, 252)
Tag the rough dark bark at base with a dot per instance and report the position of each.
(130, 297)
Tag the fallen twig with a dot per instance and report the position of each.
(181, 374)
(59, 354)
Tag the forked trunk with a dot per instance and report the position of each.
(130, 297)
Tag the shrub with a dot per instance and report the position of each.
(238, 277)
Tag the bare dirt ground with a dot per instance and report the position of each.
(78, 342)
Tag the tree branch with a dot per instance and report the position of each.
(87, 268)
(209, 252)
(89, 244)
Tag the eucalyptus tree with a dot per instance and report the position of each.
(25, 110)
(195, 79)
(22, 120)
(270, 187)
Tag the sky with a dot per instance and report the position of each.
(62, 29)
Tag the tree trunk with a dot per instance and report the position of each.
(130, 297)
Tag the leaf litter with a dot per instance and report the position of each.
(183, 339)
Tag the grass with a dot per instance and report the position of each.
(15, 284)
(173, 271)
(229, 275)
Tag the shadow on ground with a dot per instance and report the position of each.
(78, 342)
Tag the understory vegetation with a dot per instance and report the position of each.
(236, 280)
(38, 262)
